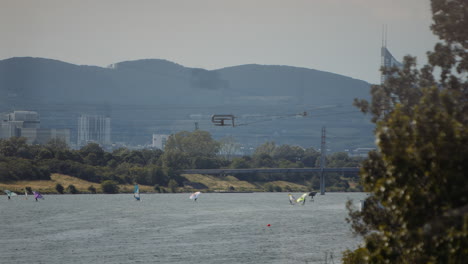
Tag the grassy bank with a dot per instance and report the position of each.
(49, 186)
(213, 184)
(231, 183)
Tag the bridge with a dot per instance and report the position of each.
(275, 170)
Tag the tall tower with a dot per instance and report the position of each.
(323, 153)
(94, 128)
(386, 58)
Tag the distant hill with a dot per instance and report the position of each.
(158, 96)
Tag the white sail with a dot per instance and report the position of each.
(10, 193)
(292, 199)
(194, 196)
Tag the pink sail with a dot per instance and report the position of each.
(37, 195)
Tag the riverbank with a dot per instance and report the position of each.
(48, 186)
(210, 184)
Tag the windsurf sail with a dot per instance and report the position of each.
(302, 199)
(194, 196)
(292, 199)
(312, 194)
(136, 192)
(25, 194)
(10, 193)
(37, 195)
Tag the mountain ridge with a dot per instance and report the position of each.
(139, 94)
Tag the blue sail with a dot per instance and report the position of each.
(136, 192)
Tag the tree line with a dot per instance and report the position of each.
(183, 150)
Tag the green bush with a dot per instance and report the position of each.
(278, 188)
(109, 187)
(72, 189)
(59, 188)
(157, 188)
(92, 189)
(269, 187)
(173, 185)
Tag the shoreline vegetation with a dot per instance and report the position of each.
(226, 184)
(55, 168)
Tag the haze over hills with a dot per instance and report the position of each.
(157, 96)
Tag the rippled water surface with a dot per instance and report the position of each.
(170, 228)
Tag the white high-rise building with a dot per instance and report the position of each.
(386, 58)
(94, 128)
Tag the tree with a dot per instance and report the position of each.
(44, 154)
(290, 153)
(72, 189)
(92, 189)
(417, 211)
(266, 148)
(175, 160)
(109, 187)
(263, 161)
(196, 143)
(15, 147)
(59, 188)
(56, 144)
(310, 157)
(240, 163)
(93, 154)
(228, 147)
(156, 175)
(172, 185)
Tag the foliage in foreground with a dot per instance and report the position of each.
(417, 211)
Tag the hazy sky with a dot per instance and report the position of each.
(339, 36)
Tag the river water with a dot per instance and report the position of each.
(170, 228)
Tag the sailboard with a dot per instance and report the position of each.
(37, 195)
(312, 194)
(136, 192)
(194, 196)
(302, 199)
(292, 199)
(25, 194)
(10, 193)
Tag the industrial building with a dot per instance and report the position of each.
(27, 124)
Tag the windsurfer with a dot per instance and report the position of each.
(312, 194)
(292, 200)
(194, 196)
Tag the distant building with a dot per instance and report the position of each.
(44, 135)
(27, 124)
(94, 128)
(386, 59)
(159, 141)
